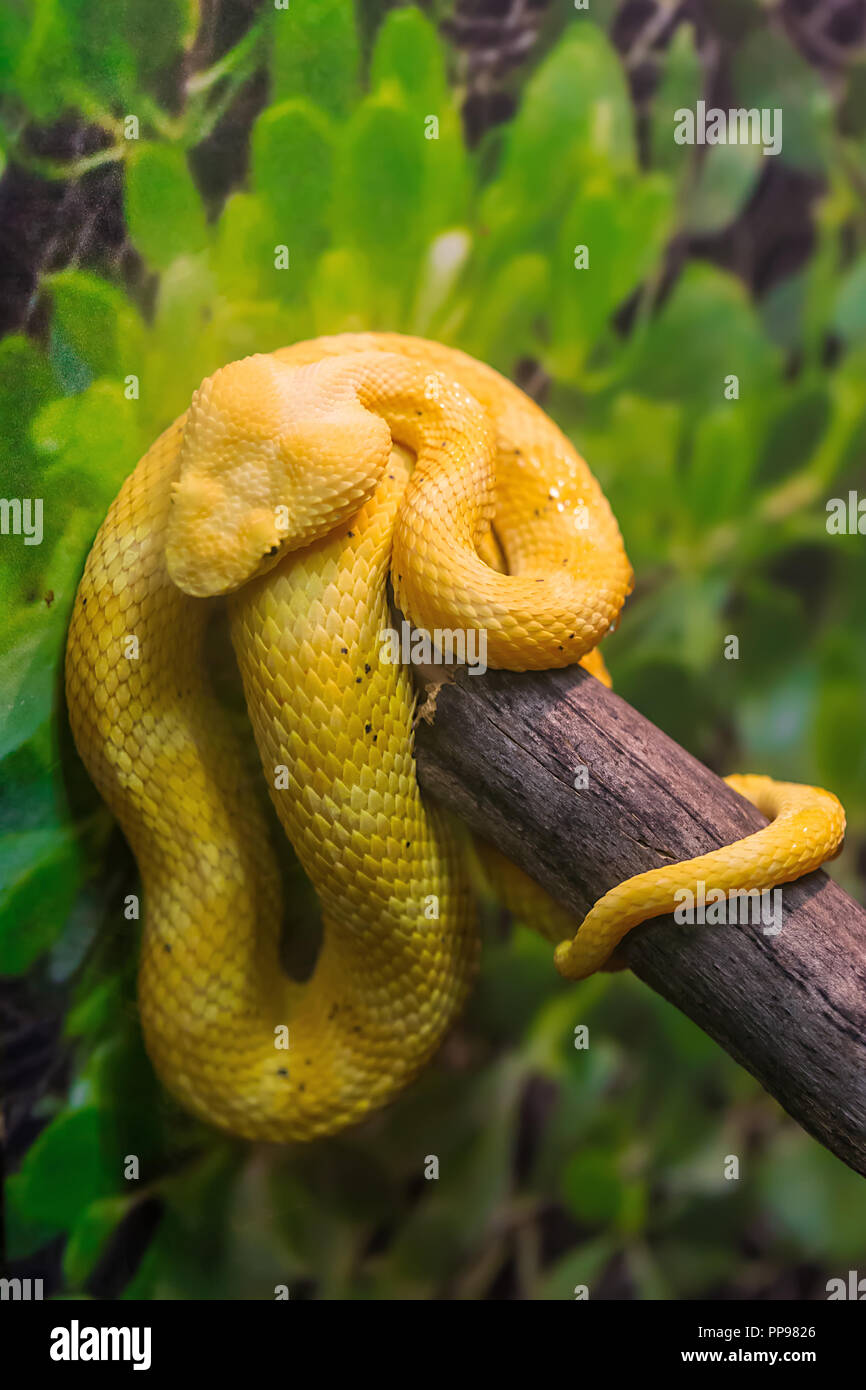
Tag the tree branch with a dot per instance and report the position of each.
(502, 750)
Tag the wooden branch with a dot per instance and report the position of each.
(501, 751)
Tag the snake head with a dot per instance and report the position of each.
(270, 459)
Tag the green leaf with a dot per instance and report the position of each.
(768, 621)
(24, 1234)
(782, 309)
(770, 75)
(105, 57)
(68, 1167)
(473, 1183)
(840, 752)
(378, 199)
(817, 1201)
(623, 222)
(315, 54)
(440, 272)
(14, 29)
(26, 382)
(243, 327)
(632, 446)
(163, 208)
(188, 1254)
(40, 873)
(576, 1270)
(89, 1237)
(97, 1009)
(719, 467)
(794, 433)
(575, 113)
(47, 66)
(504, 327)
(33, 792)
(409, 60)
(156, 34)
(292, 172)
(706, 332)
(728, 174)
(341, 293)
(849, 312)
(91, 442)
(29, 684)
(245, 247)
(97, 320)
(679, 87)
(408, 51)
(34, 639)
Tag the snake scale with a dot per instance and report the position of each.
(295, 485)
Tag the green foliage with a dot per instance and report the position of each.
(40, 877)
(72, 1146)
(294, 136)
(358, 167)
(778, 78)
(163, 209)
(315, 54)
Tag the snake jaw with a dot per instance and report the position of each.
(262, 471)
(214, 544)
(223, 526)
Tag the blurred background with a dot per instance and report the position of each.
(156, 153)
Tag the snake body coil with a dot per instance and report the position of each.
(296, 483)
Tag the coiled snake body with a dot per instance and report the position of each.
(295, 484)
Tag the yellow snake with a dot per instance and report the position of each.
(296, 484)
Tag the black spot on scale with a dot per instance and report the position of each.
(351, 535)
(166, 947)
(273, 551)
(367, 668)
(368, 728)
(345, 651)
(357, 680)
(281, 1071)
